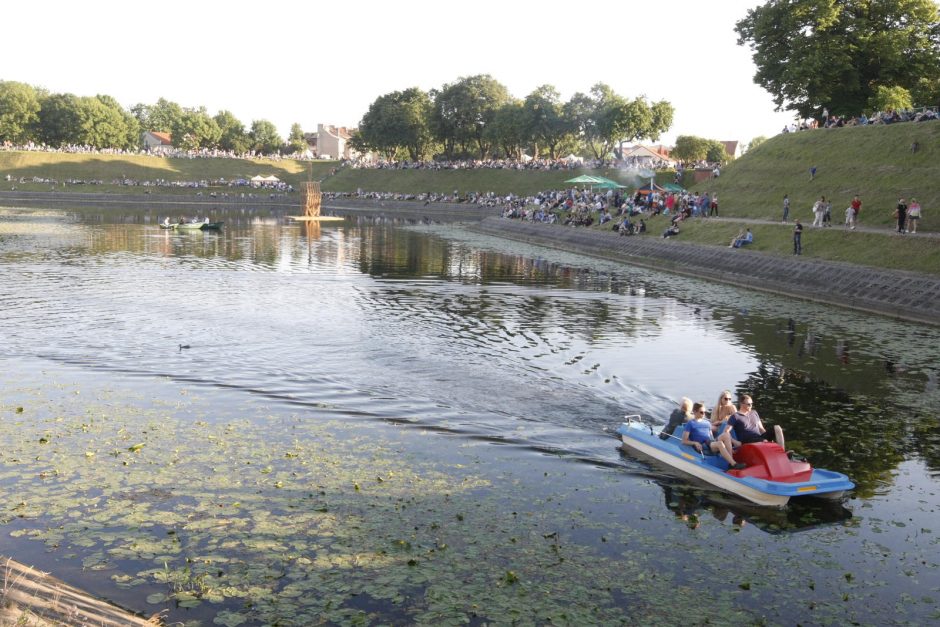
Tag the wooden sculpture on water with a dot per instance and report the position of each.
(310, 196)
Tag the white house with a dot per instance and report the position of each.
(156, 141)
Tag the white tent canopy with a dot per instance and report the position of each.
(260, 180)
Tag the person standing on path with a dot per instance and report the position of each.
(786, 207)
(913, 215)
(819, 209)
(901, 214)
(827, 213)
(798, 238)
(856, 208)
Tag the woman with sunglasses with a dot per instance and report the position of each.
(698, 434)
(723, 410)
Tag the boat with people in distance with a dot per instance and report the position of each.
(770, 476)
(202, 225)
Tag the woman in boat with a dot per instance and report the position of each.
(698, 434)
(723, 410)
(679, 416)
(745, 426)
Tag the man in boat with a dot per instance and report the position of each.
(698, 434)
(745, 427)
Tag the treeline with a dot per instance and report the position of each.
(477, 117)
(31, 114)
(473, 117)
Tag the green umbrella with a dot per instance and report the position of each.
(586, 179)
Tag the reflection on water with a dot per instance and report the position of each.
(545, 347)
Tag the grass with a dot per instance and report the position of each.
(879, 250)
(874, 162)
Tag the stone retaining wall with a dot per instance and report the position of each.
(905, 295)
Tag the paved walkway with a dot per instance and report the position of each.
(807, 224)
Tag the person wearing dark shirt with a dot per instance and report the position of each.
(798, 238)
(679, 416)
(745, 426)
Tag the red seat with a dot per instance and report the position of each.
(767, 460)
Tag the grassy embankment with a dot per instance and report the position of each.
(875, 162)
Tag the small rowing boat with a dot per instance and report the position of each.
(769, 478)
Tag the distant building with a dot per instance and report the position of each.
(156, 141)
(733, 148)
(331, 142)
(647, 157)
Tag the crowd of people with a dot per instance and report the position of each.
(172, 152)
(890, 116)
(567, 163)
(278, 186)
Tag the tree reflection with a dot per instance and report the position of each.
(865, 440)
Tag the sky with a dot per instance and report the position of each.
(326, 62)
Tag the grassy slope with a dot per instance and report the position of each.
(874, 162)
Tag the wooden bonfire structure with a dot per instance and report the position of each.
(311, 198)
(310, 193)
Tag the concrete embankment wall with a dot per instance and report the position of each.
(904, 295)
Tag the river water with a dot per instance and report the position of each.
(515, 356)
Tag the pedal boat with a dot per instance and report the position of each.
(770, 478)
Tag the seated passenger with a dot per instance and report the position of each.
(678, 417)
(745, 426)
(723, 410)
(698, 434)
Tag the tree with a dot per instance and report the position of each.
(755, 142)
(263, 137)
(464, 109)
(59, 120)
(716, 152)
(19, 111)
(889, 98)
(232, 133)
(605, 118)
(131, 126)
(397, 121)
(160, 117)
(296, 142)
(195, 129)
(690, 148)
(545, 121)
(102, 123)
(812, 54)
(508, 129)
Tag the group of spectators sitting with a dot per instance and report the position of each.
(478, 164)
(881, 117)
(178, 153)
(279, 186)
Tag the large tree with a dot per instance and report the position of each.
(397, 121)
(19, 111)
(464, 109)
(604, 118)
(233, 136)
(815, 54)
(264, 138)
(194, 129)
(545, 120)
